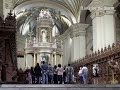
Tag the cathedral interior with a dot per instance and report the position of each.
(79, 32)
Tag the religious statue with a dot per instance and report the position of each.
(44, 36)
(45, 13)
(45, 58)
(34, 40)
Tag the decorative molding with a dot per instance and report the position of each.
(102, 3)
(99, 8)
(96, 13)
(99, 13)
(74, 30)
(109, 12)
(78, 30)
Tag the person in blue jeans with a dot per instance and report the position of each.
(50, 74)
(44, 69)
(85, 74)
(80, 73)
(69, 73)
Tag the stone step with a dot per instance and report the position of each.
(57, 87)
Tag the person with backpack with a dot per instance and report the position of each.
(95, 73)
(69, 73)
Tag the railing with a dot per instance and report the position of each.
(101, 58)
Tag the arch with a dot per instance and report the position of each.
(84, 13)
(46, 3)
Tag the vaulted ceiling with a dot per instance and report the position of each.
(66, 12)
(72, 5)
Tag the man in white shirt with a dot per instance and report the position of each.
(80, 73)
(85, 74)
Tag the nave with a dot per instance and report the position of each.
(78, 39)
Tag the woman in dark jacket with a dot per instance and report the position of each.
(38, 73)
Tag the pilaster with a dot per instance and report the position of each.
(78, 33)
(102, 13)
(7, 6)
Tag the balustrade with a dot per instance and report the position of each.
(101, 57)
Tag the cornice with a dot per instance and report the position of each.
(74, 30)
(99, 8)
(102, 3)
(99, 13)
(78, 30)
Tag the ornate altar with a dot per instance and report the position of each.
(43, 45)
(8, 58)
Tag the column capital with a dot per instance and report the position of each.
(102, 12)
(78, 29)
(101, 7)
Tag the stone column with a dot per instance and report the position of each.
(78, 48)
(103, 23)
(61, 59)
(52, 59)
(1, 8)
(34, 60)
(38, 60)
(25, 60)
(50, 35)
(66, 49)
(55, 58)
(7, 6)
(109, 27)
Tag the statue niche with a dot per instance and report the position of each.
(44, 35)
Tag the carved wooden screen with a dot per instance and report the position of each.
(8, 58)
